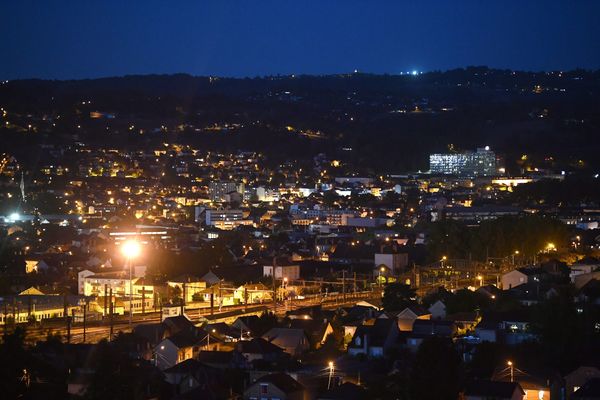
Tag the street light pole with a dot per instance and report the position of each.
(130, 293)
(130, 250)
(330, 374)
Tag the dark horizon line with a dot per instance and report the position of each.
(291, 75)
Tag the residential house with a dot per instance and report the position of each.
(177, 348)
(374, 340)
(437, 310)
(393, 261)
(407, 317)
(292, 341)
(509, 327)
(317, 330)
(493, 390)
(590, 292)
(434, 327)
(521, 276)
(259, 349)
(535, 385)
(275, 386)
(465, 322)
(589, 391)
(513, 279)
(345, 391)
(252, 293)
(578, 378)
(188, 285)
(191, 374)
(35, 266)
(283, 269)
(490, 291)
(248, 323)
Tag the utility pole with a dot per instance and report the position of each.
(344, 285)
(130, 293)
(144, 299)
(105, 299)
(68, 328)
(182, 305)
(85, 307)
(274, 285)
(354, 283)
(220, 295)
(212, 300)
(65, 314)
(110, 315)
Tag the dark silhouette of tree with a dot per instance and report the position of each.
(465, 300)
(397, 296)
(486, 358)
(436, 373)
(14, 364)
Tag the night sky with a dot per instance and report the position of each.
(77, 39)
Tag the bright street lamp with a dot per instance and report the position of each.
(208, 339)
(330, 374)
(131, 249)
(515, 253)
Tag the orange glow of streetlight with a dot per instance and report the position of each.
(131, 249)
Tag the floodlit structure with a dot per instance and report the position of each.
(479, 163)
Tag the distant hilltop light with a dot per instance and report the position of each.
(487, 148)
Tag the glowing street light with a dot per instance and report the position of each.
(480, 279)
(130, 249)
(208, 339)
(331, 367)
(512, 370)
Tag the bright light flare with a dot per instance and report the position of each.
(131, 249)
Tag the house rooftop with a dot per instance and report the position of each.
(492, 389)
(258, 346)
(284, 382)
